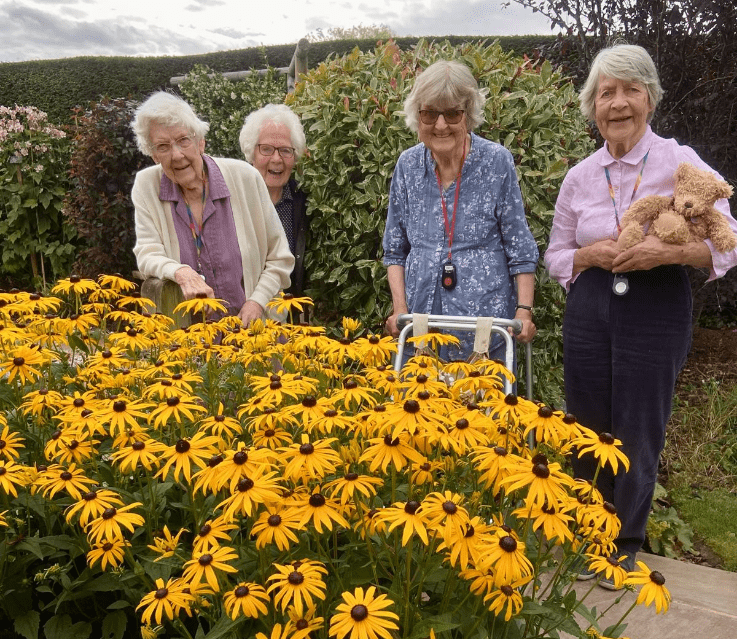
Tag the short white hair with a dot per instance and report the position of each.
(276, 114)
(627, 62)
(165, 109)
(445, 83)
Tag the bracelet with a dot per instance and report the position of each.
(525, 307)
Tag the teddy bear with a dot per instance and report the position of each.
(686, 217)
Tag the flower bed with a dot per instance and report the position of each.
(279, 482)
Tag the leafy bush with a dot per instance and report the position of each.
(102, 168)
(225, 103)
(350, 110)
(33, 160)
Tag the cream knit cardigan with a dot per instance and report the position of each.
(267, 261)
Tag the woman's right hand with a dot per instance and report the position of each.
(600, 254)
(391, 324)
(191, 283)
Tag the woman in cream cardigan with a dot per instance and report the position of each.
(206, 223)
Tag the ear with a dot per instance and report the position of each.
(201, 145)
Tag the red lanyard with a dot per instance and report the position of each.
(450, 225)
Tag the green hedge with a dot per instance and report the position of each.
(56, 86)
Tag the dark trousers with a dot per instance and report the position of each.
(622, 355)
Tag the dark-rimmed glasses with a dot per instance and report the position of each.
(268, 150)
(451, 116)
(183, 143)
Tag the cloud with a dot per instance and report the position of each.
(229, 32)
(27, 33)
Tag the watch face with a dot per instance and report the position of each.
(620, 285)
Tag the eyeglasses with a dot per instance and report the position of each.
(451, 116)
(182, 143)
(268, 150)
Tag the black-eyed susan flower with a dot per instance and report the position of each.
(297, 583)
(386, 450)
(276, 525)
(271, 437)
(38, 401)
(205, 566)
(426, 472)
(277, 632)
(12, 475)
(445, 513)
(505, 554)
(612, 568)
(11, 443)
(364, 615)
(494, 464)
(410, 415)
(333, 420)
(320, 510)
(71, 479)
(374, 350)
(433, 340)
(465, 546)
(207, 480)
(166, 544)
(369, 521)
(176, 408)
(143, 451)
(288, 303)
(108, 552)
(653, 587)
(247, 599)
(546, 483)
(75, 448)
(211, 533)
(132, 338)
(167, 601)
(122, 412)
(74, 285)
(598, 519)
(116, 283)
(201, 305)
(604, 447)
(220, 425)
(188, 454)
(548, 426)
(109, 525)
(249, 492)
(309, 459)
(309, 410)
(410, 516)
(551, 518)
(350, 485)
(505, 598)
(92, 504)
(301, 624)
(242, 462)
(24, 363)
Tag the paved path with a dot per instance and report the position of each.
(704, 604)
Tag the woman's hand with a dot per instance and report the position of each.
(250, 311)
(529, 330)
(599, 254)
(391, 324)
(191, 283)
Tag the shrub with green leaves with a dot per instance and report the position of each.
(102, 168)
(225, 103)
(37, 243)
(350, 108)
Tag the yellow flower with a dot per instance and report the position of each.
(276, 525)
(546, 482)
(247, 599)
(395, 450)
(92, 504)
(201, 305)
(11, 476)
(176, 407)
(504, 597)
(286, 302)
(362, 616)
(604, 447)
(320, 510)
(277, 632)
(653, 587)
(167, 600)
(109, 525)
(144, 451)
(122, 412)
(116, 283)
(187, 454)
(374, 350)
(434, 340)
(166, 546)
(301, 624)
(21, 364)
(107, 552)
(297, 583)
(411, 516)
(75, 284)
(350, 484)
(213, 531)
(71, 479)
(203, 566)
(445, 513)
(250, 491)
(506, 556)
(309, 460)
(10, 443)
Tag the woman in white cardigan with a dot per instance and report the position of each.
(206, 223)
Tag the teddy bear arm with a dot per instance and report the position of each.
(646, 209)
(720, 233)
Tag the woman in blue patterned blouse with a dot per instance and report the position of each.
(456, 239)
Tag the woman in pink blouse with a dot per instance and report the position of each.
(627, 324)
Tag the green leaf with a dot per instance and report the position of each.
(27, 624)
(61, 627)
(113, 625)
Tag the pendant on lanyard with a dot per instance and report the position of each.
(449, 275)
(621, 283)
(197, 230)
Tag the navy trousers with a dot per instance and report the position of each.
(622, 355)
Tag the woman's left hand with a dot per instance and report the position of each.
(250, 311)
(528, 326)
(649, 253)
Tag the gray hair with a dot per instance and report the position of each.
(276, 114)
(445, 83)
(165, 109)
(627, 62)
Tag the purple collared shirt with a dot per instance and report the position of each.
(220, 258)
(584, 213)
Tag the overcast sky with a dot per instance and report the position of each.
(48, 29)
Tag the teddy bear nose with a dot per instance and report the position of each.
(688, 205)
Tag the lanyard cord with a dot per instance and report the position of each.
(197, 230)
(450, 226)
(611, 189)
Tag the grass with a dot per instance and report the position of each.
(700, 459)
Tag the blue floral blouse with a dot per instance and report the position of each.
(491, 243)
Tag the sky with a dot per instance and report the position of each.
(50, 29)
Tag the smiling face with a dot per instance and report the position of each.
(181, 166)
(275, 169)
(444, 140)
(622, 110)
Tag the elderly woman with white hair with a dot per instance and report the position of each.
(627, 323)
(456, 239)
(206, 223)
(273, 140)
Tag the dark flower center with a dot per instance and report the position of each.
(421, 378)
(86, 412)
(511, 400)
(309, 402)
(73, 445)
(610, 508)
(66, 475)
(507, 590)
(359, 612)
(350, 384)
(301, 624)
(606, 438)
(462, 423)
(3, 470)
(172, 401)
(205, 530)
(295, 578)
(545, 411)
(161, 593)
(373, 339)
(109, 513)
(241, 591)
(306, 449)
(569, 418)
(501, 451)
(205, 560)
(214, 460)
(18, 361)
(138, 445)
(388, 441)
(275, 385)
(351, 476)
(219, 418)
(411, 406)
(411, 507)
(240, 458)
(450, 508)
(657, 578)
(107, 546)
(317, 500)
(78, 402)
(269, 432)
(470, 531)
(423, 395)
(131, 332)
(508, 543)
(176, 377)
(331, 412)
(245, 484)
(119, 406)
(541, 470)
(182, 446)
(274, 520)
(540, 459)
